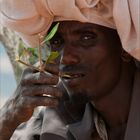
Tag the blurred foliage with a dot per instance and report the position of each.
(30, 56)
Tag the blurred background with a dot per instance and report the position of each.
(7, 77)
(10, 70)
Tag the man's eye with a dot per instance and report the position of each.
(88, 36)
(56, 44)
(57, 41)
(88, 39)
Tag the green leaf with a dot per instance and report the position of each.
(33, 60)
(51, 33)
(45, 51)
(31, 55)
(52, 56)
(21, 49)
(33, 51)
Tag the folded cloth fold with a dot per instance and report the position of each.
(31, 17)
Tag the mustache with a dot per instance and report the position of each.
(72, 68)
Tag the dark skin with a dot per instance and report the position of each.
(92, 57)
(94, 53)
(28, 95)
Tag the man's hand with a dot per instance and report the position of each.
(35, 89)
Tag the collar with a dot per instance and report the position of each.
(133, 125)
(83, 129)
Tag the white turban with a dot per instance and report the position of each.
(31, 17)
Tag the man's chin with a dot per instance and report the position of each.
(81, 97)
(76, 93)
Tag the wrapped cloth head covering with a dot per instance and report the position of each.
(31, 17)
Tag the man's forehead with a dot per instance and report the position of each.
(79, 27)
(76, 27)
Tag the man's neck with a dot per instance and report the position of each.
(114, 107)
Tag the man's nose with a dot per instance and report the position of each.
(70, 56)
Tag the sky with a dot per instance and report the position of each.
(7, 79)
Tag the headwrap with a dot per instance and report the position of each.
(31, 17)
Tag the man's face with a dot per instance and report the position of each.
(90, 61)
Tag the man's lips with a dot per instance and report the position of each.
(70, 76)
(72, 79)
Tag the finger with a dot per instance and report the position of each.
(40, 78)
(32, 102)
(27, 71)
(53, 68)
(42, 90)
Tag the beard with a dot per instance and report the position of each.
(74, 107)
(69, 95)
(73, 103)
(80, 97)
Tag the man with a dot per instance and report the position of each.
(99, 100)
